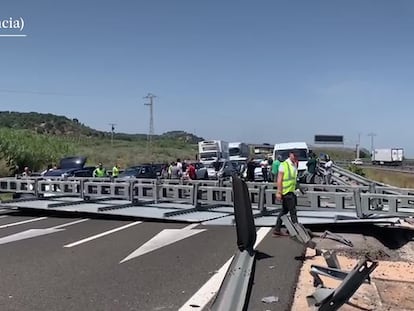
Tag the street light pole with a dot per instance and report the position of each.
(358, 146)
(372, 142)
(151, 124)
(112, 133)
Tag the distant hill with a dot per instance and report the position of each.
(51, 124)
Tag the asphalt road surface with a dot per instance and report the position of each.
(56, 263)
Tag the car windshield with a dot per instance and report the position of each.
(303, 154)
(208, 155)
(234, 151)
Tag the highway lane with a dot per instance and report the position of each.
(40, 273)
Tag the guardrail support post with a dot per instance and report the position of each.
(262, 199)
(194, 198)
(358, 203)
(374, 202)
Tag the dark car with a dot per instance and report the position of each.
(71, 167)
(157, 167)
(139, 171)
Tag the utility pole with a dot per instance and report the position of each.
(372, 142)
(112, 133)
(151, 123)
(358, 146)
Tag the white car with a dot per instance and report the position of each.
(357, 162)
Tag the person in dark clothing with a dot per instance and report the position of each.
(312, 166)
(250, 170)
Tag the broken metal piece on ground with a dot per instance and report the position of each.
(270, 299)
(331, 259)
(298, 231)
(336, 237)
(332, 299)
(333, 273)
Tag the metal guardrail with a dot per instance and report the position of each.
(364, 200)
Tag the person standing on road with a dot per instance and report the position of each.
(115, 170)
(250, 170)
(286, 186)
(328, 170)
(275, 167)
(191, 171)
(264, 164)
(99, 171)
(312, 166)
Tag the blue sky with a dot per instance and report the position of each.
(255, 71)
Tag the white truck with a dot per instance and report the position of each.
(239, 151)
(388, 156)
(210, 151)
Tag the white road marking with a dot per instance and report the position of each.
(164, 238)
(31, 233)
(70, 223)
(27, 234)
(21, 222)
(4, 216)
(204, 295)
(97, 236)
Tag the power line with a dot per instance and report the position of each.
(151, 123)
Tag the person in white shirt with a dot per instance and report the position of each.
(264, 164)
(328, 170)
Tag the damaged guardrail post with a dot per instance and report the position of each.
(232, 295)
(262, 198)
(358, 203)
(328, 299)
(375, 204)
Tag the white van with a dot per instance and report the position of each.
(283, 150)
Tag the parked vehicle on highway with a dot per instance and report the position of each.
(139, 171)
(239, 151)
(388, 156)
(284, 149)
(222, 169)
(357, 162)
(210, 151)
(71, 167)
(157, 167)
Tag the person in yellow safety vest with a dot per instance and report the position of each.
(99, 171)
(286, 186)
(115, 170)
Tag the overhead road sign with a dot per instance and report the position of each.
(329, 139)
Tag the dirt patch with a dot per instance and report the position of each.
(393, 294)
(392, 281)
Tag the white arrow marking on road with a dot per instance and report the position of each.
(31, 233)
(102, 234)
(203, 296)
(21, 222)
(164, 238)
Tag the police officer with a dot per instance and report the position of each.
(286, 186)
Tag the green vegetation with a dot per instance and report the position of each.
(398, 179)
(356, 170)
(36, 140)
(23, 148)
